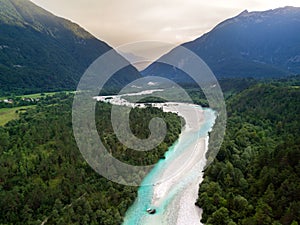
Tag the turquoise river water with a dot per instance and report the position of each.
(136, 214)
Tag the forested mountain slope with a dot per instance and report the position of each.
(252, 44)
(42, 52)
(255, 178)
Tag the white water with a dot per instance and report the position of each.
(176, 178)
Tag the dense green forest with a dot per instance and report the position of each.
(43, 176)
(255, 178)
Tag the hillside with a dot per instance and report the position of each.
(252, 44)
(255, 177)
(42, 52)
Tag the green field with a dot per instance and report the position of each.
(37, 95)
(8, 114)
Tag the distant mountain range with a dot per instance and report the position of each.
(39, 51)
(252, 44)
(42, 52)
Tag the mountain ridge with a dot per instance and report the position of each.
(251, 44)
(42, 52)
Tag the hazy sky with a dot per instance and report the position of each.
(118, 22)
(176, 21)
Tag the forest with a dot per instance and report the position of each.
(254, 179)
(44, 178)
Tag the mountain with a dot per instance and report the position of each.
(252, 44)
(39, 51)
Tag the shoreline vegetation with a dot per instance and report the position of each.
(255, 176)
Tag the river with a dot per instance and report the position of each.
(176, 178)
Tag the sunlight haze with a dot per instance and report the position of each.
(173, 22)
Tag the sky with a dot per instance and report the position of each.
(119, 22)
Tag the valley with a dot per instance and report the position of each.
(192, 174)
